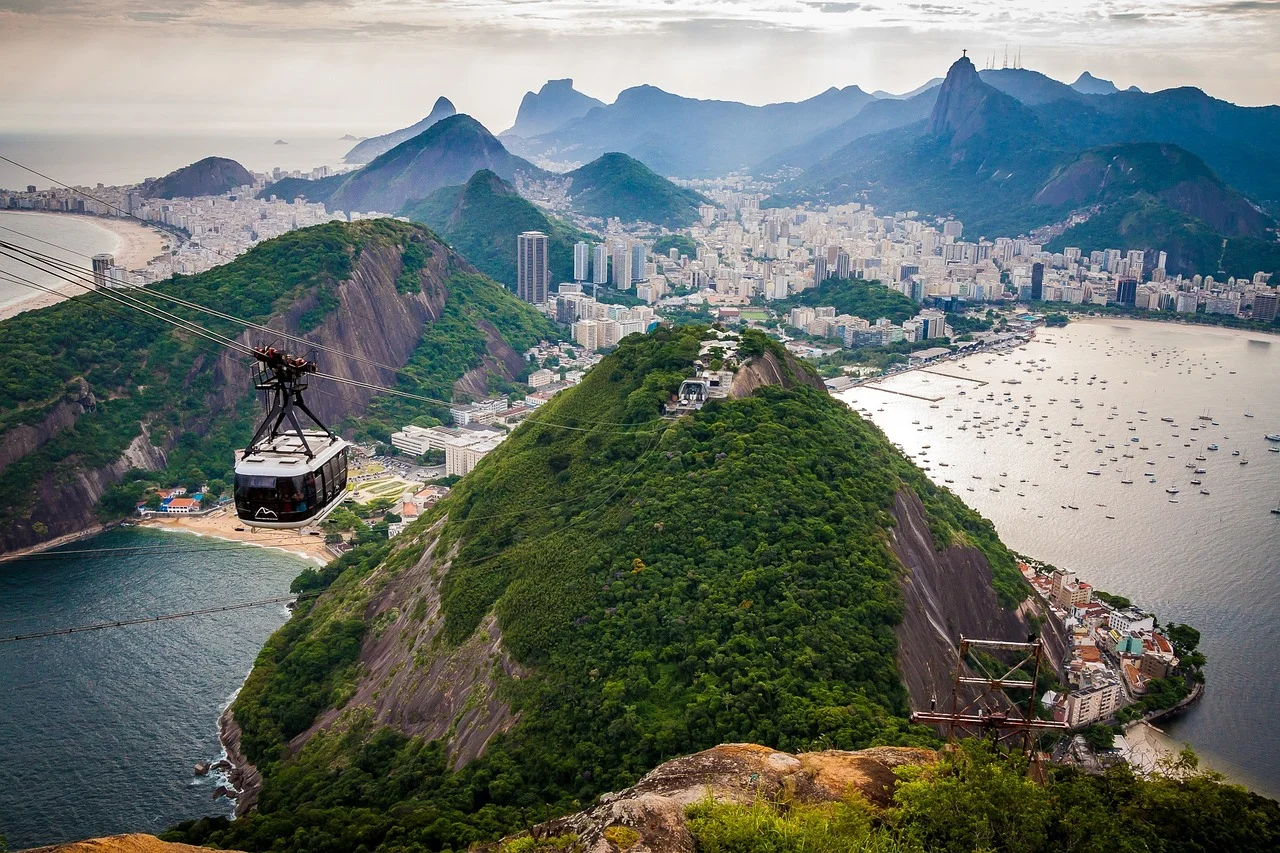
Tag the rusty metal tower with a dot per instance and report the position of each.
(992, 712)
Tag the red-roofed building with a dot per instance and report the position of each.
(181, 506)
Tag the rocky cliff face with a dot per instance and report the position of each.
(652, 812)
(948, 594)
(554, 105)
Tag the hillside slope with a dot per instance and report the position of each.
(367, 149)
(83, 409)
(621, 186)
(445, 154)
(607, 590)
(482, 219)
(210, 176)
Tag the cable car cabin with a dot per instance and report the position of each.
(278, 485)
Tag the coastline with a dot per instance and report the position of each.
(136, 246)
(222, 525)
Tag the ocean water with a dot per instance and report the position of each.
(1212, 561)
(99, 731)
(73, 238)
(118, 159)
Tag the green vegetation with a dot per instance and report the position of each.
(621, 186)
(482, 218)
(144, 372)
(975, 799)
(683, 243)
(869, 300)
(1056, 319)
(669, 585)
(1118, 601)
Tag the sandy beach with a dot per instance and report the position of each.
(135, 245)
(222, 524)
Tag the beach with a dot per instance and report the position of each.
(133, 245)
(222, 524)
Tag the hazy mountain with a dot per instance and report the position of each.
(210, 176)
(557, 103)
(481, 220)
(621, 186)
(370, 148)
(875, 117)
(1030, 87)
(881, 93)
(1087, 84)
(447, 153)
(689, 137)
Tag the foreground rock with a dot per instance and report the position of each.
(120, 844)
(654, 808)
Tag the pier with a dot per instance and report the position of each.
(977, 382)
(905, 394)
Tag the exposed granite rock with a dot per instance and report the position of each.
(733, 773)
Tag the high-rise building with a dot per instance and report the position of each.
(600, 265)
(842, 264)
(581, 260)
(819, 270)
(533, 277)
(1037, 281)
(637, 261)
(1266, 306)
(1127, 291)
(621, 267)
(101, 264)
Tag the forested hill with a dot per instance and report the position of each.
(869, 300)
(621, 186)
(483, 218)
(97, 399)
(606, 590)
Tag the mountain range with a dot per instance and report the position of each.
(615, 185)
(368, 149)
(1012, 150)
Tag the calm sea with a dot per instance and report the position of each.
(99, 731)
(1212, 561)
(73, 238)
(118, 159)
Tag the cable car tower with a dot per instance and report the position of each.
(288, 477)
(991, 712)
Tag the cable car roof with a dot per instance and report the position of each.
(285, 455)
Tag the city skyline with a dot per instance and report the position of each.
(319, 63)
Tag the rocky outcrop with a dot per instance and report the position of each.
(769, 369)
(242, 775)
(651, 814)
(501, 360)
(28, 438)
(411, 678)
(948, 593)
(134, 843)
(554, 105)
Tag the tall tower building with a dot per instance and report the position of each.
(1037, 281)
(621, 267)
(101, 264)
(637, 261)
(581, 259)
(819, 270)
(533, 277)
(842, 264)
(600, 265)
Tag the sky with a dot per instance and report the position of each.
(369, 66)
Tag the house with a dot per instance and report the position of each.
(180, 506)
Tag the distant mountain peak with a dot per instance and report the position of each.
(210, 176)
(962, 92)
(1087, 84)
(370, 149)
(554, 105)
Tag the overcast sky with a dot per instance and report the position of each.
(368, 66)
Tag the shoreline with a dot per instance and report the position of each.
(1121, 319)
(221, 525)
(136, 246)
